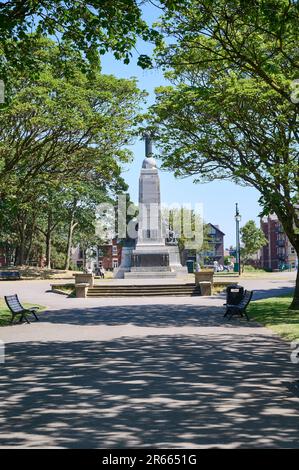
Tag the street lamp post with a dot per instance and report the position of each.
(238, 258)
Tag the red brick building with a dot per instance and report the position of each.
(279, 252)
(110, 255)
(107, 256)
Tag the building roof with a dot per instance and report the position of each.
(216, 227)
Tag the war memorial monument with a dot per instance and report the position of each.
(151, 257)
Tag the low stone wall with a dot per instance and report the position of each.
(63, 289)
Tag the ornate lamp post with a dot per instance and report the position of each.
(238, 260)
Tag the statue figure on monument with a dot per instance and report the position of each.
(148, 137)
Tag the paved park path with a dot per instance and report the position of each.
(159, 372)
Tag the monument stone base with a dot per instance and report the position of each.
(150, 275)
(150, 262)
(154, 262)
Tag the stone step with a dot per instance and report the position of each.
(142, 286)
(147, 286)
(162, 292)
(150, 275)
(143, 294)
(144, 290)
(116, 296)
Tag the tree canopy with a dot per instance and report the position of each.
(92, 27)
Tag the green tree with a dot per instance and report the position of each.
(253, 239)
(94, 27)
(62, 144)
(177, 220)
(231, 113)
(227, 260)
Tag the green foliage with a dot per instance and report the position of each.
(94, 28)
(253, 239)
(252, 269)
(178, 220)
(67, 122)
(227, 260)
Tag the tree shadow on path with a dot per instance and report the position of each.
(154, 315)
(156, 391)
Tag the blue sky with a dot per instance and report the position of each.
(218, 197)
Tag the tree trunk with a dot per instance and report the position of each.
(69, 244)
(84, 258)
(30, 240)
(291, 227)
(295, 302)
(48, 241)
(16, 257)
(72, 226)
(21, 248)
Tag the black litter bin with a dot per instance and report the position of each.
(190, 266)
(234, 294)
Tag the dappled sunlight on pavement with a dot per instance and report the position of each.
(169, 373)
(155, 391)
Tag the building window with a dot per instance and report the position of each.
(114, 249)
(115, 263)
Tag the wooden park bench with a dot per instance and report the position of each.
(10, 275)
(239, 308)
(16, 308)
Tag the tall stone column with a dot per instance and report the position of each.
(149, 222)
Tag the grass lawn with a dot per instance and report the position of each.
(274, 314)
(69, 289)
(254, 274)
(5, 315)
